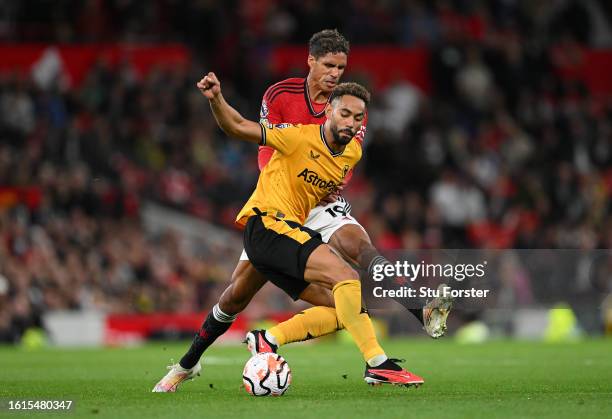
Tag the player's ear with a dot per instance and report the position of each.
(311, 61)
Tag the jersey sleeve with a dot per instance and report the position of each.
(271, 110)
(270, 113)
(283, 138)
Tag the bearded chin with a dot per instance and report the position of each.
(339, 139)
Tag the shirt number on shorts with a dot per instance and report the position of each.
(338, 210)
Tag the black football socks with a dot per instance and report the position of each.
(391, 283)
(216, 324)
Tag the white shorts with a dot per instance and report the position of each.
(325, 220)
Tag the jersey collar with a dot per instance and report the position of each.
(309, 102)
(332, 152)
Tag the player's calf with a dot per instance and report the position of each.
(217, 323)
(246, 282)
(353, 243)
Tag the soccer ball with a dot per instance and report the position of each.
(266, 374)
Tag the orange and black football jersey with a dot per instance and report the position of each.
(300, 173)
(288, 102)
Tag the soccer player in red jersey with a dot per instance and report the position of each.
(300, 101)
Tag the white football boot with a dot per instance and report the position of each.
(436, 312)
(175, 377)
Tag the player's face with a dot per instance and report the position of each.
(327, 70)
(345, 115)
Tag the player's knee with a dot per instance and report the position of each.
(341, 273)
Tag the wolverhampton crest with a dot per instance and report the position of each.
(345, 170)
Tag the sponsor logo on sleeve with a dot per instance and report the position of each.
(263, 113)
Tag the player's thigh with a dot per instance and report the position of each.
(324, 267)
(317, 295)
(246, 282)
(351, 242)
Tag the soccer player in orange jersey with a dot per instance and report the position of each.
(302, 101)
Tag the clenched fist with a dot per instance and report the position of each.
(209, 86)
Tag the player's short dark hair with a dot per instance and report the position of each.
(327, 41)
(352, 89)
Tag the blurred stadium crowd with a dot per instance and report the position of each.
(503, 153)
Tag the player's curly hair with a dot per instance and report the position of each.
(326, 41)
(353, 89)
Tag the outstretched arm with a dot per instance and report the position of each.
(228, 118)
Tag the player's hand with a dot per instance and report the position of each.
(209, 86)
(333, 196)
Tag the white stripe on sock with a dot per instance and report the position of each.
(378, 260)
(219, 315)
(377, 360)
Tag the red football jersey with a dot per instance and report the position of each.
(288, 101)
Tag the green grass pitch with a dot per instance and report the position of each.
(494, 380)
